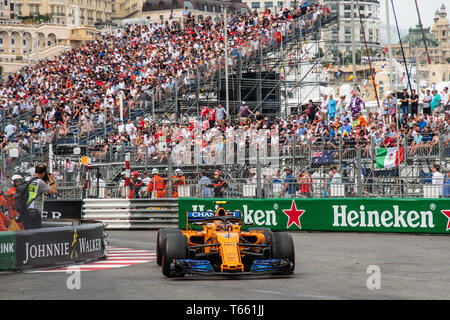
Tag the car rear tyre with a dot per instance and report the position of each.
(175, 247)
(160, 238)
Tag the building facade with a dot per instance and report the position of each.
(160, 10)
(437, 38)
(273, 5)
(342, 35)
(5, 10)
(81, 12)
(23, 44)
(441, 32)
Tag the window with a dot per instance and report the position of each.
(256, 5)
(346, 14)
(268, 4)
(348, 30)
(347, 7)
(280, 4)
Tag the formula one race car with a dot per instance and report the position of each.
(221, 247)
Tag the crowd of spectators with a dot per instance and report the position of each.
(81, 89)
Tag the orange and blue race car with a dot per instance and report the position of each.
(221, 247)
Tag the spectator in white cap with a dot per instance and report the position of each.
(122, 190)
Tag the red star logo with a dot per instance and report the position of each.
(294, 215)
(447, 214)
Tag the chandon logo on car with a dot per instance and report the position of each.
(249, 216)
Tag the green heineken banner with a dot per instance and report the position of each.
(333, 214)
(7, 250)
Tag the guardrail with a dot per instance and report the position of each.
(132, 213)
(52, 246)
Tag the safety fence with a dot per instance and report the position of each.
(320, 188)
(132, 213)
(360, 168)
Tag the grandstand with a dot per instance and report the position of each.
(270, 59)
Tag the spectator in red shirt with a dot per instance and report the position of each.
(305, 183)
(212, 118)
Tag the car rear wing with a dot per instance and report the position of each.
(194, 216)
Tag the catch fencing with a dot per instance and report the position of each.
(250, 176)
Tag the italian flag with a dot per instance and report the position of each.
(389, 157)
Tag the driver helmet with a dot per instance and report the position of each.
(16, 178)
(220, 225)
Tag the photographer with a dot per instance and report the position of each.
(42, 183)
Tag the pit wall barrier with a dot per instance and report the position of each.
(132, 213)
(332, 214)
(51, 247)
